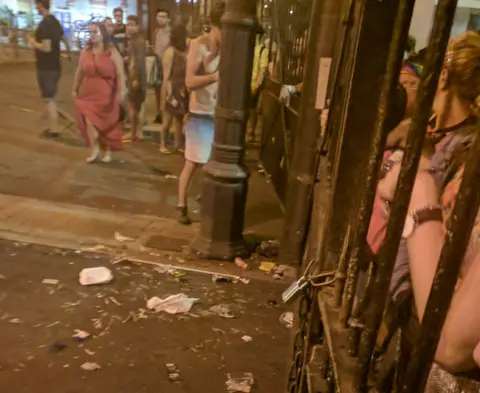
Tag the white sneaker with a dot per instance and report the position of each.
(93, 157)
(106, 158)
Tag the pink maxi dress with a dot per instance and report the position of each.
(98, 100)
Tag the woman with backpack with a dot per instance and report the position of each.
(174, 91)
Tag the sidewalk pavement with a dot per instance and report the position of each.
(62, 200)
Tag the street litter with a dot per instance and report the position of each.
(88, 352)
(267, 266)
(90, 366)
(223, 310)
(98, 247)
(173, 372)
(171, 177)
(183, 268)
(80, 335)
(286, 319)
(240, 384)
(247, 339)
(95, 276)
(50, 281)
(122, 239)
(15, 320)
(174, 304)
(241, 263)
(282, 271)
(269, 248)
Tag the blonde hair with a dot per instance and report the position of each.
(462, 62)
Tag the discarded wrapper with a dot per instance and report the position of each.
(267, 266)
(286, 319)
(241, 263)
(247, 339)
(80, 335)
(241, 384)
(174, 304)
(90, 366)
(173, 372)
(50, 281)
(223, 310)
(95, 276)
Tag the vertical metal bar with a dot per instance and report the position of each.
(435, 56)
(321, 43)
(457, 237)
(395, 56)
(364, 85)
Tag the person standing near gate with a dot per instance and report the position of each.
(161, 43)
(259, 70)
(202, 80)
(46, 44)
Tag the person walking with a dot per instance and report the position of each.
(202, 81)
(99, 87)
(119, 36)
(174, 90)
(46, 43)
(136, 77)
(161, 43)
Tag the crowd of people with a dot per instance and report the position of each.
(116, 68)
(111, 84)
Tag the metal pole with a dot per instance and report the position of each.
(320, 47)
(395, 56)
(435, 57)
(226, 177)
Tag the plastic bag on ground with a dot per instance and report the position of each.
(174, 304)
(241, 384)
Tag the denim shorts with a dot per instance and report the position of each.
(48, 83)
(199, 133)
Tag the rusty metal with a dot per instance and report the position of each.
(323, 28)
(460, 226)
(353, 148)
(226, 177)
(395, 57)
(435, 54)
(342, 269)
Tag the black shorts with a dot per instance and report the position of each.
(48, 83)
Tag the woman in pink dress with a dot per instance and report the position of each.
(99, 88)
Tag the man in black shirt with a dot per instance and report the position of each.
(119, 37)
(46, 44)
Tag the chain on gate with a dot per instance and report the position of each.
(304, 289)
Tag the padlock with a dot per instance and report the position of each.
(294, 290)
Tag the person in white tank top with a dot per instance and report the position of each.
(202, 82)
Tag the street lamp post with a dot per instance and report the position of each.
(226, 177)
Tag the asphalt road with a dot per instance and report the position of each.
(131, 346)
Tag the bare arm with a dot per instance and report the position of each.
(194, 59)
(67, 45)
(167, 71)
(121, 79)
(460, 336)
(77, 81)
(43, 46)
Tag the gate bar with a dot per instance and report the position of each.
(394, 64)
(302, 172)
(435, 57)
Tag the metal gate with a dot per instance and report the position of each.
(334, 344)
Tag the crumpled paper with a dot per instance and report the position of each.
(174, 304)
(241, 384)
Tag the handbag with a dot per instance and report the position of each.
(122, 113)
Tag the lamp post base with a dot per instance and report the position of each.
(223, 203)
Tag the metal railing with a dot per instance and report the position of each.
(350, 318)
